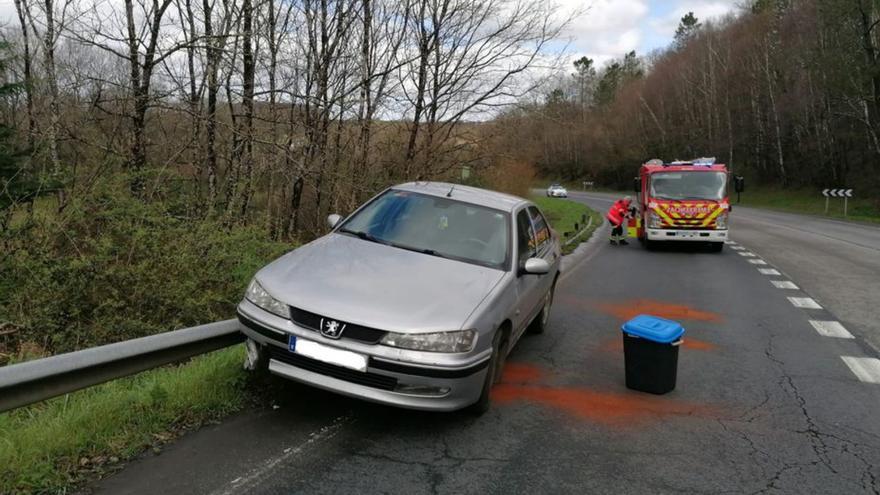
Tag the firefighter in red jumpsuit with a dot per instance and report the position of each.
(616, 216)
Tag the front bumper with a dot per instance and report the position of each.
(386, 381)
(686, 235)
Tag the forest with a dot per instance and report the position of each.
(155, 153)
(786, 92)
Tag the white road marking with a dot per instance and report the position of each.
(737, 248)
(732, 243)
(865, 369)
(747, 254)
(804, 302)
(245, 484)
(831, 329)
(757, 262)
(769, 271)
(784, 284)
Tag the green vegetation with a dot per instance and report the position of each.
(48, 447)
(563, 214)
(811, 202)
(111, 267)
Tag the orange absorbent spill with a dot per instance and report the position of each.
(613, 409)
(630, 309)
(520, 383)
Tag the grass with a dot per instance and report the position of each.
(563, 214)
(50, 446)
(810, 202)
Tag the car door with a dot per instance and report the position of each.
(544, 249)
(528, 287)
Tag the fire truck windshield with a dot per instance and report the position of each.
(689, 185)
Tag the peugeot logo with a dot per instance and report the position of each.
(332, 328)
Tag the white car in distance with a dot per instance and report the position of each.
(556, 191)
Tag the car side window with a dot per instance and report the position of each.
(525, 238)
(542, 230)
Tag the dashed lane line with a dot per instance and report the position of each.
(784, 284)
(831, 329)
(804, 303)
(866, 369)
(737, 248)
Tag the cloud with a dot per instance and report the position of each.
(604, 29)
(664, 26)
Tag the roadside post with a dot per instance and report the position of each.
(588, 183)
(838, 193)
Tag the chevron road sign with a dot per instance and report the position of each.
(837, 193)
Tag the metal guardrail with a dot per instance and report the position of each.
(32, 381)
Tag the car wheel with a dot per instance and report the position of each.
(493, 374)
(716, 247)
(539, 324)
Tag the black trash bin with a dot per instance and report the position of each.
(650, 349)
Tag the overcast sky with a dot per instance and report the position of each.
(610, 28)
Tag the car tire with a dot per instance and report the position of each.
(493, 374)
(539, 324)
(716, 247)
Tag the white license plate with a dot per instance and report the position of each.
(331, 355)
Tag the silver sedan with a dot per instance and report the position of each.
(414, 300)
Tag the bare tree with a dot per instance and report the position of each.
(49, 17)
(470, 53)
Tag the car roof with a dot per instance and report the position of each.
(467, 194)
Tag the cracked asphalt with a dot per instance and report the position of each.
(764, 404)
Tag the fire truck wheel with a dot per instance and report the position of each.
(650, 245)
(539, 324)
(716, 247)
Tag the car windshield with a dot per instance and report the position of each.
(435, 226)
(689, 185)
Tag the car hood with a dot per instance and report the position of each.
(379, 286)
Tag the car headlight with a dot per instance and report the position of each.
(721, 221)
(257, 295)
(654, 220)
(460, 341)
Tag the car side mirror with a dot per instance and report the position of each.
(536, 266)
(333, 220)
(739, 183)
(637, 185)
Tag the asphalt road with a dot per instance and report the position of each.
(765, 403)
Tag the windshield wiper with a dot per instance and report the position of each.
(427, 251)
(363, 235)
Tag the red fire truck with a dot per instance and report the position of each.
(684, 201)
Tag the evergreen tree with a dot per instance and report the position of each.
(686, 30)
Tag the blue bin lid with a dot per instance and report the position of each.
(653, 328)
